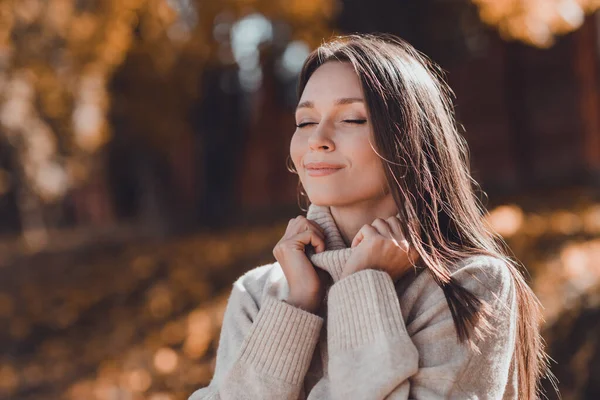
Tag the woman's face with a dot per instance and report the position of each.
(333, 127)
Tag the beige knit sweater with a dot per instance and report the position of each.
(372, 339)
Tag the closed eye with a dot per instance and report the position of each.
(303, 124)
(349, 121)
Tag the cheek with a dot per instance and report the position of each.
(297, 150)
(367, 164)
(364, 156)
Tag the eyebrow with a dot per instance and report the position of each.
(338, 102)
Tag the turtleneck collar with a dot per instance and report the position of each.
(336, 252)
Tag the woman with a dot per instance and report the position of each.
(392, 286)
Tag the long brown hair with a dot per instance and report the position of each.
(426, 162)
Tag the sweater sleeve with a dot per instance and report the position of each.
(263, 353)
(374, 355)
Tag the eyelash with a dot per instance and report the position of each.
(351, 121)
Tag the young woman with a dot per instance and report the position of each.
(392, 286)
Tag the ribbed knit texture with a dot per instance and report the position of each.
(366, 301)
(337, 253)
(334, 259)
(286, 338)
(372, 339)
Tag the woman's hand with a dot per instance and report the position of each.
(381, 246)
(304, 280)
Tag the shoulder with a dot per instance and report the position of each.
(489, 278)
(254, 284)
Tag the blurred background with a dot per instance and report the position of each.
(143, 150)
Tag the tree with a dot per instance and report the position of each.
(57, 58)
(535, 22)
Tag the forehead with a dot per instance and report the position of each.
(331, 81)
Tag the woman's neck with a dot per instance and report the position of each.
(350, 218)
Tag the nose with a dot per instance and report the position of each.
(321, 139)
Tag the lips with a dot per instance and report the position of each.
(322, 165)
(321, 168)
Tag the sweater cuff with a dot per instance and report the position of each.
(282, 340)
(362, 307)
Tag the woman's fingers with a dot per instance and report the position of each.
(394, 224)
(383, 228)
(300, 224)
(389, 228)
(317, 228)
(303, 231)
(312, 233)
(311, 237)
(364, 232)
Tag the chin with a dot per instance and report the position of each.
(327, 200)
